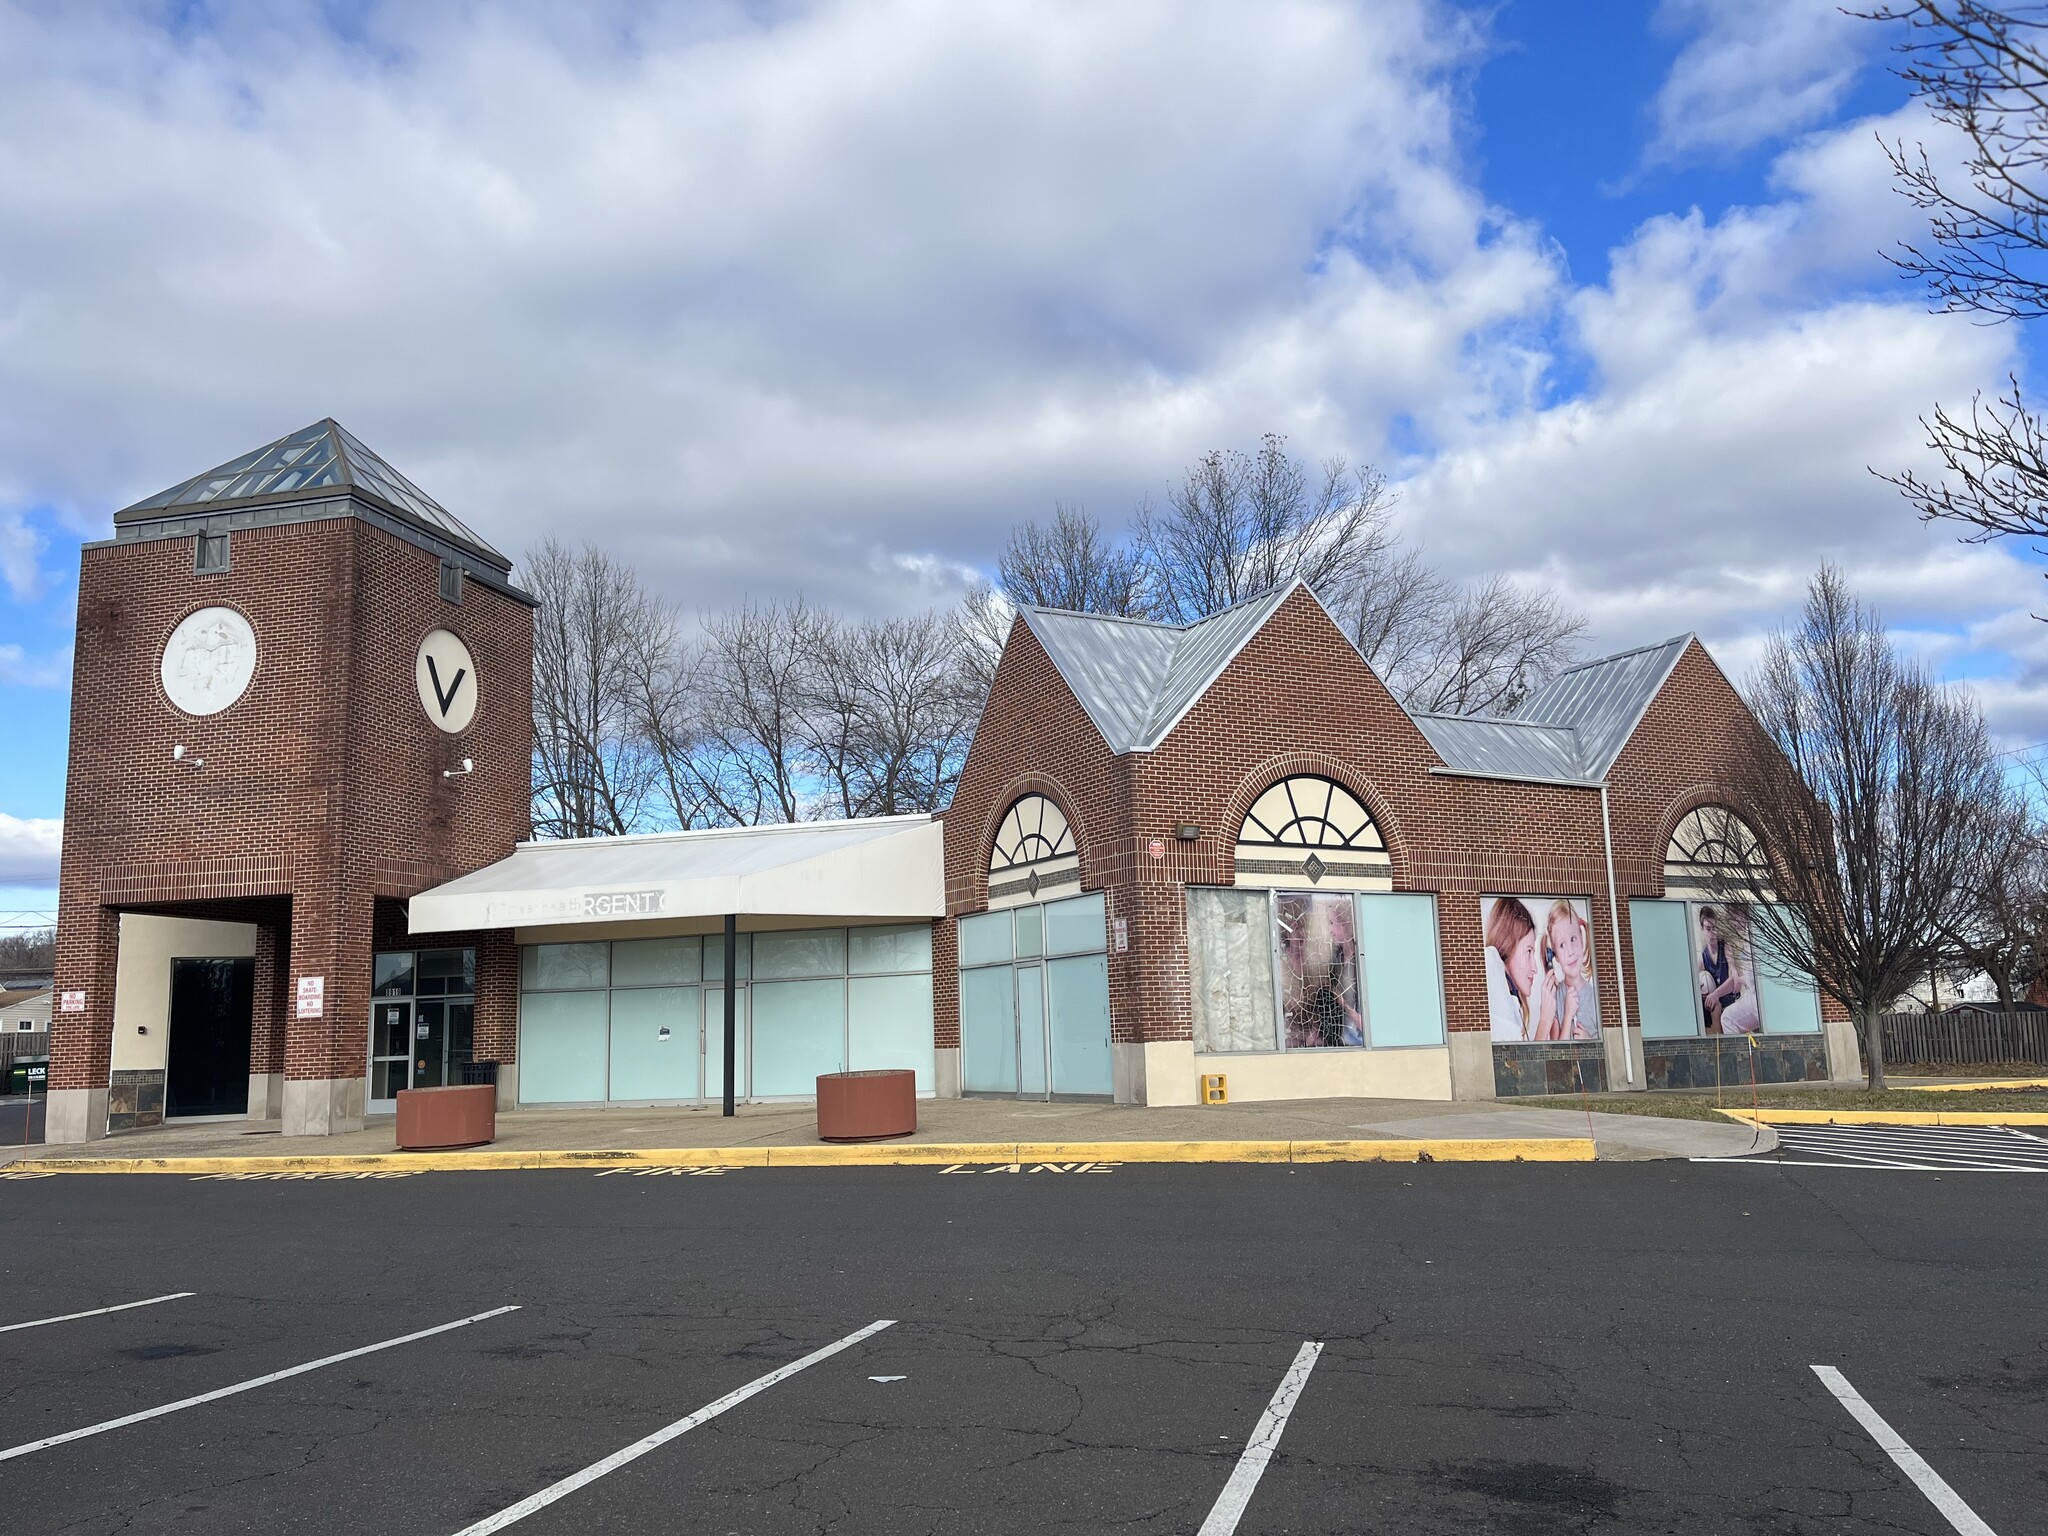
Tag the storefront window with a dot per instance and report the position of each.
(1034, 1000)
(1318, 954)
(1700, 972)
(642, 1020)
(1313, 970)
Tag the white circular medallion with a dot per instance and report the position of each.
(446, 676)
(209, 660)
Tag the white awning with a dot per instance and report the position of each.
(881, 868)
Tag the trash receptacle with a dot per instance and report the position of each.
(475, 1072)
(867, 1106)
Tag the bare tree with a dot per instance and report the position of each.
(981, 628)
(755, 681)
(594, 631)
(1238, 526)
(890, 710)
(1861, 787)
(1982, 70)
(1068, 564)
(1477, 651)
(2002, 918)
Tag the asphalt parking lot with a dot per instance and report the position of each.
(1505, 1348)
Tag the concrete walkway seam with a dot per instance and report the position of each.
(1547, 1149)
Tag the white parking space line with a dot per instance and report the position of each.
(1925, 1478)
(43, 1322)
(1251, 1466)
(244, 1386)
(661, 1437)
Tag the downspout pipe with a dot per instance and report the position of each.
(1628, 1060)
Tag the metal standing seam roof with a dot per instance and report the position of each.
(1135, 678)
(1602, 702)
(325, 456)
(1494, 744)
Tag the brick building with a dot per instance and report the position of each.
(295, 878)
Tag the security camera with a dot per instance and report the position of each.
(178, 756)
(468, 766)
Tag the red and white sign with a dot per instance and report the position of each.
(71, 1002)
(312, 997)
(1157, 847)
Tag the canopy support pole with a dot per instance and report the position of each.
(732, 998)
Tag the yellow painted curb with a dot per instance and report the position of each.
(1886, 1117)
(1548, 1149)
(1993, 1087)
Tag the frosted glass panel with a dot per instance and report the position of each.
(889, 1024)
(988, 1030)
(1075, 927)
(807, 952)
(799, 1032)
(562, 966)
(1078, 994)
(1404, 1000)
(1791, 1006)
(561, 1046)
(985, 939)
(1230, 966)
(714, 956)
(908, 948)
(1667, 998)
(646, 1064)
(657, 962)
(1030, 932)
(1031, 1063)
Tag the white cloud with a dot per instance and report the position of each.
(1755, 70)
(29, 849)
(776, 302)
(18, 667)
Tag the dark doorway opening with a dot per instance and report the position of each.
(211, 1009)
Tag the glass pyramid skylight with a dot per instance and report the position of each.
(323, 456)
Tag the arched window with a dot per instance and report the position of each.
(1312, 831)
(1034, 857)
(1713, 853)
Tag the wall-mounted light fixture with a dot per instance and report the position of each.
(468, 766)
(178, 756)
(1187, 833)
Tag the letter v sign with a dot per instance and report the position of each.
(445, 696)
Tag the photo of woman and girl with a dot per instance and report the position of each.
(1319, 1002)
(1539, 976)
(1727, 971)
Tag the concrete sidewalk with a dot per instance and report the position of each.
(951, 1121)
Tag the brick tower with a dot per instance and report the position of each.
(302, 694)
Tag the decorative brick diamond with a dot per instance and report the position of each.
(1313, 867)
(1031, 884)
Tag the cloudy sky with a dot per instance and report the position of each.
(782, 295)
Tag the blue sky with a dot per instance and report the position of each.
(826, 296)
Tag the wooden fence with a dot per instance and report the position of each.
(1965, 1037)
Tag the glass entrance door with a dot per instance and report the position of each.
(1033, 1066)
(390, 1050)
(714, 1044)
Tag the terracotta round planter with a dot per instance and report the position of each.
(434, 1119)
(867, 1106)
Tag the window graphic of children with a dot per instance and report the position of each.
(1574, 998)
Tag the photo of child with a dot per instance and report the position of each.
(1540, 975)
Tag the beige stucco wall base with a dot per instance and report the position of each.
(1168, 1072)
(946, 1072)
(1423, 1073)
(266, 1095)
(1471, 1064)
(1620, 1078)
(1845, 1060)
(75, 1114)
(508, 1086)
(329, 1106)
